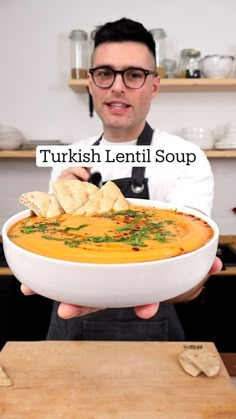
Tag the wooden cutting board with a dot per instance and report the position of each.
(106, 380)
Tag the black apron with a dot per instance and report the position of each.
(121, 323)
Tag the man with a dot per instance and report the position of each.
(123, 82)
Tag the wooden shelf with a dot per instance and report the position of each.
(78, 86)
(5, 272)
(17, 154)
(198, 85)
(231, 270)
(176, 85)
(221, 154)
(31, 154)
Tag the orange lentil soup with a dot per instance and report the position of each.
(138, 234)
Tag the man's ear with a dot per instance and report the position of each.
(155, 86)
(90, 81)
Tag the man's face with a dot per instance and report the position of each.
(123, 110)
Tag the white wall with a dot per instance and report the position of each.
(35, 70)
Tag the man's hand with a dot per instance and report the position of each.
(76, 173)
(196, 291)
(68, 311)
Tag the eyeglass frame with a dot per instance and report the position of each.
(121, 72)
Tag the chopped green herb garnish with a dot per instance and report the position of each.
(161, 238)
(33, 228)
(75, 228)
(126, 227)
(139, 226)
(52, 238)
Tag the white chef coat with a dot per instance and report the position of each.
(173, 182)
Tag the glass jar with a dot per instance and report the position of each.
(159, 36)
(91, 46)
(189, 66)
(170, 67)
(79, 54)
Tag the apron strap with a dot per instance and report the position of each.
(138, 173)
(97, 142)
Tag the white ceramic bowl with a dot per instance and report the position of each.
(203, 137)
(111, 285)
(10, 138)
(217, 66)
(11, 144)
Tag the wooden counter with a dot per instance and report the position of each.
(103, 380)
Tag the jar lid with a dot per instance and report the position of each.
(158, 33)
(92, 34)
(79, 35)
(231, 57)
(190, 53)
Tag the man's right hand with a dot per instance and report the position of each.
(76, 173)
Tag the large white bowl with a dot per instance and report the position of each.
(217, 66)
(203, 137)
(111, 285)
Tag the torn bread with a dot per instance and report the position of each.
(42, 204)
(188, 366)
(73, 194)
(206, 361)
(108, 198)
(112, 198)
(5, 381)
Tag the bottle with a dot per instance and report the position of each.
(79, 54)
(159, 36)
(189, 66)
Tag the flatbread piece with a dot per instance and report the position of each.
(72, 194)
(108, 198)
(206, 361)
(42, 204)
(194, 362)
(5, 381)
(188, 366)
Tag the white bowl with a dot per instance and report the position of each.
(217, 66)
(11, 144)
(203, 137)
(111, 285)
(10, 138)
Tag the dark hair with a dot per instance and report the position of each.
(124, 30)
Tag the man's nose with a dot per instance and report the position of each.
(118, 83)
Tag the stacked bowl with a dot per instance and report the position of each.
(10, 138)
(203, 137)
(217, 66)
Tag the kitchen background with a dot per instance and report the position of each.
(35, 71)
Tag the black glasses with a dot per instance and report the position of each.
(133, 78)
